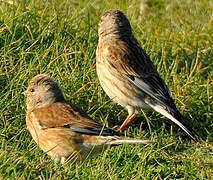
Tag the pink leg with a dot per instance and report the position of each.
(127, 121)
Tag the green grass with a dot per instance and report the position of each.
(60, 38)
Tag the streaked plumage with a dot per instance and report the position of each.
(127, 74)
(61, 129)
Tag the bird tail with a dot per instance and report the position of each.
(175, 116)
(121, 140)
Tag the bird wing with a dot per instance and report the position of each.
(63, 114)
(131, 60)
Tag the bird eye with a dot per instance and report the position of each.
(32, 90)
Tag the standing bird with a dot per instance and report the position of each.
(62, 129)
(127, 74)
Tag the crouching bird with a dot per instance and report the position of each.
(61, 129)
(127, 74)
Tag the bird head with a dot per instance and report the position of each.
(114, 21)
(42, 91)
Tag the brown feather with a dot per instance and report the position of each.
(60, 114)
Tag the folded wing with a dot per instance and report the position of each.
(62, 114)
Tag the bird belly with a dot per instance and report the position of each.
(119, 88)
(56, 142)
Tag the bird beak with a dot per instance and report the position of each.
(24, 93)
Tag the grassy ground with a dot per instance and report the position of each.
(60, 38)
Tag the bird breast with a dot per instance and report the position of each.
(117, 85)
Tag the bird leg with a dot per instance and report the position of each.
(127, 121)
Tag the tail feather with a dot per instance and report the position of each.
(114, 141)
(176, 118)
(128, 141)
